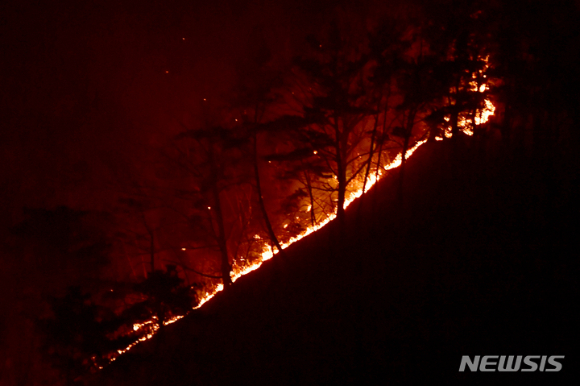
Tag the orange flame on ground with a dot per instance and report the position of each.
(267, 254)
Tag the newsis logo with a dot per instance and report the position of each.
(512, 363)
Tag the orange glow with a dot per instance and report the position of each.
(241, 267)
(267, 253)
(481, 116)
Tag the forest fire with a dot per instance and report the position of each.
(151, 326)
(154, 155)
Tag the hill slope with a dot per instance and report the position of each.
(478, 259)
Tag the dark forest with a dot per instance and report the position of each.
(303, 192)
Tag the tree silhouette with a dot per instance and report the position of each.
(213, 162)
(330, 88)
(80, 335)
(165, 297)
(253, 95)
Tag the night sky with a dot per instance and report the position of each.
(88, 89)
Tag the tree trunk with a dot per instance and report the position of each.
(341, 192)
(269, 228)
(371, 152)
(368, 167)
(378, 169)
(221, 240)
(129, 260)
(340, 213)
(309, 187)
(226, 268)
(341, 174)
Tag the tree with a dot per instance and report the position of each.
(305, 167)
(213, 166)
(141, 211)
(78, 336)
(438, 68)
(331, 87)
(387, 48)
(165, 297)
(254, 93)
(459, 44)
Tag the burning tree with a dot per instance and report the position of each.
(458, 47)
(253, 96)
(330, 88)
(436, 76)
(314, 194)
(215, 173)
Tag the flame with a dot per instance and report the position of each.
(267, 253)
(481, 116)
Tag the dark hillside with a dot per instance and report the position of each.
(479, 259)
